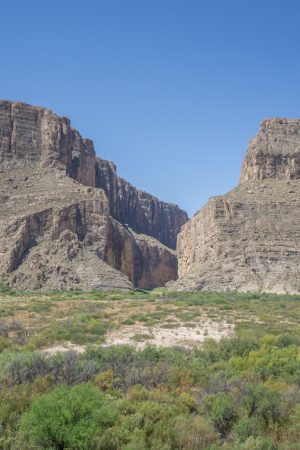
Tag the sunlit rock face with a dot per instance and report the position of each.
(32, 136)
(274, 152)
(249, 239)
(63, 223)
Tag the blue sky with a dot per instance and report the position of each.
(171, 91)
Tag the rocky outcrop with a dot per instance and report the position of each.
(146, 262)
(249, 239)
(58, 229)
(31, 135)
(137, 209)
(274, 152)
(53, 233)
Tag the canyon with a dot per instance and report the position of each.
(67, 221)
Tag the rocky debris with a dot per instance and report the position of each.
(249, 239)
(58, 229)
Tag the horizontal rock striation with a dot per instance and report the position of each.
(53, 234)
(31, 135)
(59, 227)
(249, 239)
(137, 209)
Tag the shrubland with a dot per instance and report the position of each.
(239, 393)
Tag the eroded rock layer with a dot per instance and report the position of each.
(249, 239)
(30, 135)
(137, 209)
(58, 228)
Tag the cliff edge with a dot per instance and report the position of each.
(249, 239)
(67, 220)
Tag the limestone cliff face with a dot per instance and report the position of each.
(137, 209)
(249, 239)
(59, 228)
(32, 135)
(274, 152)
(53, 233)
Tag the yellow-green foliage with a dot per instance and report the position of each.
(239, 394)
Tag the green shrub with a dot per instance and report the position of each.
(222, 412)
(67, 418)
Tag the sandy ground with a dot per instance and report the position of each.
(139, 336)
(62, 348)
(184, 336)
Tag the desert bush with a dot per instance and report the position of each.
(193, 433)
(237, 394)
(25, 367)
(259, 401)
(69, 368)
(222, 411)
(68, 418)
(259, 443)
(247, 427)
(7, 327)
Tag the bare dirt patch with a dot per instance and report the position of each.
(182, 335)
(62, 348)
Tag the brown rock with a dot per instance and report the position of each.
(53, 235)
(274, 152)
(137, 209)
(56, 233)
(32, 135)
(250, 242)
(145, 261)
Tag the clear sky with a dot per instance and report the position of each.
(170, 90)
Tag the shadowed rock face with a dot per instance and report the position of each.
(57, 224)
(249, 239)
(137, 209)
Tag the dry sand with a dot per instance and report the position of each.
(183, 335)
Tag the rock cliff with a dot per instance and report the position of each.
(31, 135)
(249, 239)
(137, 209)
(64, 223)
(274, 152)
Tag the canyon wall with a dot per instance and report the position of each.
(274, 152)
(137, 209)
(31, 135)
(64, 223)
(249, 239)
